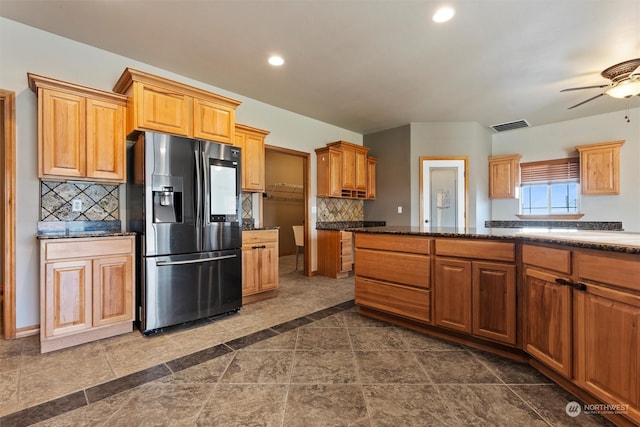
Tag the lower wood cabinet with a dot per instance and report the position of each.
(547, 319)
(606, 307)
(259, 265)
(393, 274)
(335, 253)
(87, 290)
(474, 296)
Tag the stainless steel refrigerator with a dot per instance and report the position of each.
(183, 200)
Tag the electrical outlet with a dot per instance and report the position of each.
(76, 205)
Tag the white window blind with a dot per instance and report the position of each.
(550, 171)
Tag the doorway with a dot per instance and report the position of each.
(286, 198)
(8, 215)
(443, 192)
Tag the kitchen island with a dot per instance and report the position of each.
(566, 302)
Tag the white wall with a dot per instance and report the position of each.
(559, 140)
(25, 49)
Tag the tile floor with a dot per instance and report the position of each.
(304, 358)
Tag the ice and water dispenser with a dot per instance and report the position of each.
(167, 199)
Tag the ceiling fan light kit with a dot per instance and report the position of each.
(625, 81)
(625, 89)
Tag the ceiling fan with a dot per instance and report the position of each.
(625, 81)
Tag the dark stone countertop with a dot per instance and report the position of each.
(612, 241)
(79, 229)
(260, 228)
(343, 225)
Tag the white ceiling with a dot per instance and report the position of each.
(371, 65)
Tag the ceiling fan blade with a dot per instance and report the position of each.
(584, 87)
(584, 102)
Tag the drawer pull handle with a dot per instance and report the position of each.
(563, 282)
(580, 287)
(259, 247)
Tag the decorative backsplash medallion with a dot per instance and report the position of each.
(99, 202)
(247, 206)
(331, 210)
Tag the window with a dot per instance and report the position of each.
(550, 187)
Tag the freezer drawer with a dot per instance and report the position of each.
(183, 288)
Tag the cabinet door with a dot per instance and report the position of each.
(547, 320)
(371, 178)
(348, 169)
(494, 301)
(212, 121)
(268, 266)
(106, 141)
(600, 169)
(250, 271)
(452, 288)
(253, 159)
(503, 176)
(67, 297)
(607, 332)
(112, 290)
(163, 110)
(361, 171)
(62, 134)
(335, 173)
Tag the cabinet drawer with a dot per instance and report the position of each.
(613, 271)
(412, 244)
(400, 300)
(549, 258)
(476, 249)
(87, 248)
(403, 268)
(259, 236)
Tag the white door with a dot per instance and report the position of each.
(443, 191)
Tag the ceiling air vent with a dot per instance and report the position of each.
(502, 127)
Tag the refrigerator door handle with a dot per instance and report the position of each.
(194, 261)
(198, 200)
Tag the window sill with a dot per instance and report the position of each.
(552, 216)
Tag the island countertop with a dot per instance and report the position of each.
(613, 241)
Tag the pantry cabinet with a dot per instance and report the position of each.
(87, 290)
(162, 105)
(504, 176)
(81, 132)
(600, 168)
(251, 141)
(259, 265)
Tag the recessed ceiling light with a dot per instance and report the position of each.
(276, 60)
(444, 14)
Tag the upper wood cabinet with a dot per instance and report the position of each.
(329, 171)
(81, 131)
(504, 176)
(600, 167)
(251, 141)
(159, 104)
(371, 177)
(343, 171)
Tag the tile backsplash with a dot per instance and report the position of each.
(331, 210)
(99, 202)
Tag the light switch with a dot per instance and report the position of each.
(399, 209)
(76, 205)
